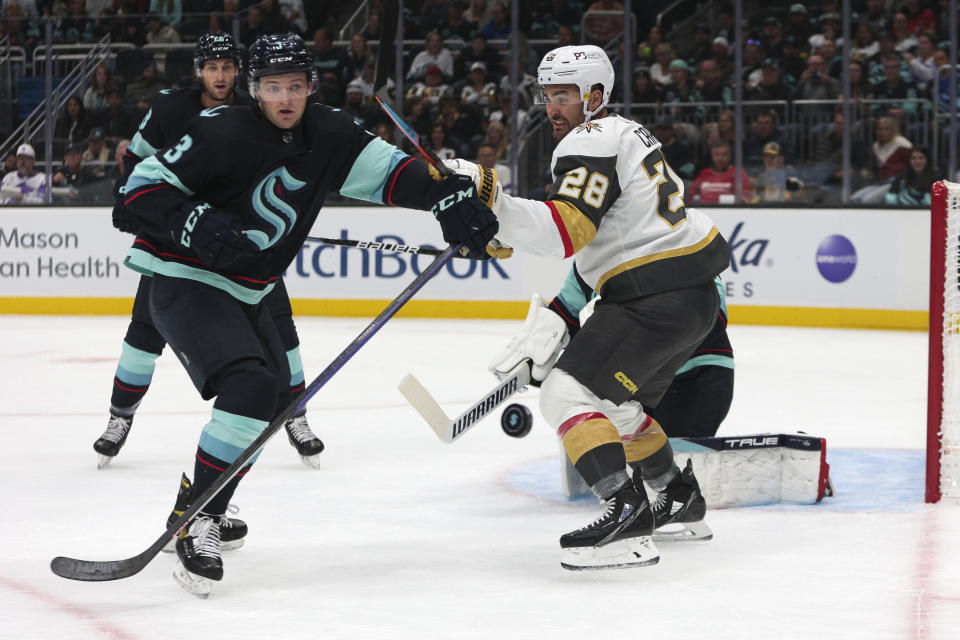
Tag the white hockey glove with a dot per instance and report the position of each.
(541, 338)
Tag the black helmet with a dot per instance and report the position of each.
(279, 53)
(216, 46)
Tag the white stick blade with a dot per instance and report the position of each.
(421, 400)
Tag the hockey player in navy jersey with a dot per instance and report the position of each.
(618, 207)
(222, 212)
(217, 66)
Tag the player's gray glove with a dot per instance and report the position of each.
(463, 217)
(215, 236)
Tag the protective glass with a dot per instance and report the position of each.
(278, 92)
(567, 96)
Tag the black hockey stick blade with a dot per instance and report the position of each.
(93, 571)
(101, 571)
(387, 49)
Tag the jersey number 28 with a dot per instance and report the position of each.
(593, 193)
(666, 188)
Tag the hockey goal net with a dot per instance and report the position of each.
(943, 398)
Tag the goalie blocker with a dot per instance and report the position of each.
(743, 471)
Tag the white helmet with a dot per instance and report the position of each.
(582, 65)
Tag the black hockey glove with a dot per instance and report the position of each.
(124, 220)
(216, 237)
(463, 217)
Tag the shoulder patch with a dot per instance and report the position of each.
(589, 126)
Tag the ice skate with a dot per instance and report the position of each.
(618, 538)
(680, 510)
(307, 444)
(109, 444)
(233, 531)
(198, 554)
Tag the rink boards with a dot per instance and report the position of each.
(862, 268)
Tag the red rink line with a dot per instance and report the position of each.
(107, 629)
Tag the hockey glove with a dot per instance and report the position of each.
(123, 220)
(488, 185)
(541, 338)
(462, 216)
(216, 237)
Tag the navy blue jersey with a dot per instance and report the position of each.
(273, 180)
(164, 123)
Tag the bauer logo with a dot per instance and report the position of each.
(836, 258)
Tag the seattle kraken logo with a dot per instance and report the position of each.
(268, 204)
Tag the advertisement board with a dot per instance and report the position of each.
(820, 267)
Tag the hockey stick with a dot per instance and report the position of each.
(386, 58)
(384, 246)
(99, 571)
(448, 429)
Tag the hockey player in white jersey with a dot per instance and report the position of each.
(618, 207)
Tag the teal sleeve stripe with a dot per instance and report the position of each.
(228, 434)
(708, 360)
(142, 262)
(296, 366)
(140, 147)
(723, 295)
(370, 170)
(571, 295)
(151, 171)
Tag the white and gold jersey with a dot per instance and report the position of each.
(619, 207)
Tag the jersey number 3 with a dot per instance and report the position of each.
(666, 188)
(173, 154)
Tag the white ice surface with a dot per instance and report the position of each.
(401, 536)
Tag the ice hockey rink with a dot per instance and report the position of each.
(402, 536)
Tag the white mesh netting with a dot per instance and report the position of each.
(950, 421)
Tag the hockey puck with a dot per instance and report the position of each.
(516, 420)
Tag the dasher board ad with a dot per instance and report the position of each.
(75, 252)
(827, 258)
(833, 258)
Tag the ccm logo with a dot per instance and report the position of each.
(629, 384)
(451, 200)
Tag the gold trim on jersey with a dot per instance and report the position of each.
(588, 435)
(580, 229)
(653, 257)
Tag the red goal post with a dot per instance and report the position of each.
(943, 382)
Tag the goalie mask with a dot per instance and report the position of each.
(581, 65)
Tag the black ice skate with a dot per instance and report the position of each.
(307, 444)
(109, 444)
(620, 537)
(233, 531)
(199, 556)
(680, 510)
